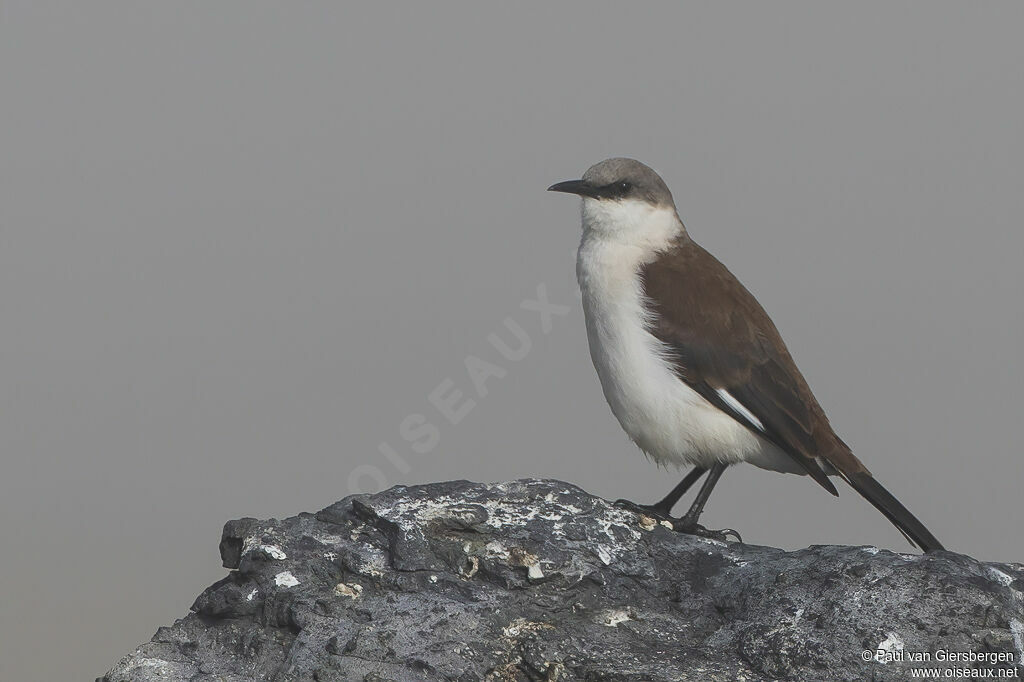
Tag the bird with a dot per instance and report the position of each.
(690, 363)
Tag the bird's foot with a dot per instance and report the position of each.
(680, 525)
(652, 510)
(693, 528)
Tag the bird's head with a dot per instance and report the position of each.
(622, 196)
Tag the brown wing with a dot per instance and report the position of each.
(723, 339)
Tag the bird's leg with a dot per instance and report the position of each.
(688, 522)
(663, 509)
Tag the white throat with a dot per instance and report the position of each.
(633, 222)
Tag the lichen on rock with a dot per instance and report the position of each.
(538, 580)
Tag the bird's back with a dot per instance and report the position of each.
(695, 298)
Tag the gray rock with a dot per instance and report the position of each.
(537, 580)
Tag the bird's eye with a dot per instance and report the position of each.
(625, 186)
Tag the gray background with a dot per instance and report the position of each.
(241, 242)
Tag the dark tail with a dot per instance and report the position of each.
(883, 501)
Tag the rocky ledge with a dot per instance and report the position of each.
(538, 580)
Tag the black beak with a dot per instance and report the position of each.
(574, 187)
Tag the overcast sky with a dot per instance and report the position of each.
(243, 243)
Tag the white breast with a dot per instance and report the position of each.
(660, 413)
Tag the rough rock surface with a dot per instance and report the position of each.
(537, 580)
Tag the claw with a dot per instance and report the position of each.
(734, 533)
(700, 531)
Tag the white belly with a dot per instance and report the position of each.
(666, 418)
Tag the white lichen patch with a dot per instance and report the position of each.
(504, 511)
(329, 540)
(612, 617)
(274, 552)
(710, 541)
(356, 532)
(891, 644)
(512, 556)
(493, 550)
(604, 555)
(667, 524)
(285, 579)
(252, 594)
(154, 668)
(250, 545)
(373, 566)
(350, 590)
(621, 519)
(1017, 630)
(1004, 579)
(521, 626)
(870, 550)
